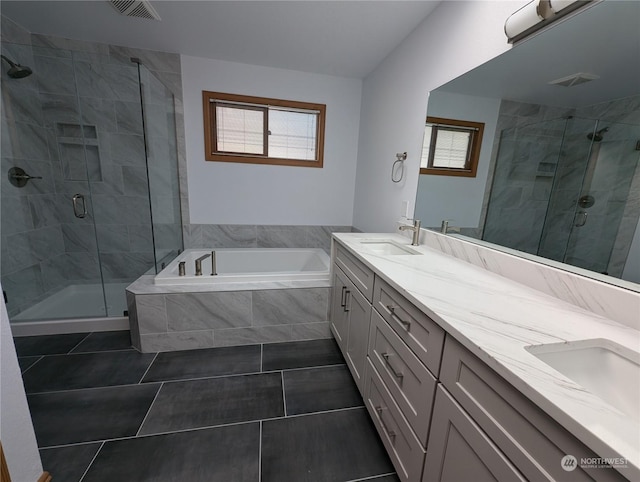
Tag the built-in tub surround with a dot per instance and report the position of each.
(252, 308)
(498, 320)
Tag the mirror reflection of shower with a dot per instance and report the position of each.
(562, 189)
(17, 71)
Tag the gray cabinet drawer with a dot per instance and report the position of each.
(460, 451)
(415, 328)
(404, 449)
(532, 440)
(358, 273)
(406, 378)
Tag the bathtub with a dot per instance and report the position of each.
(248, 265)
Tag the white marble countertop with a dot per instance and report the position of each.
(496, 318)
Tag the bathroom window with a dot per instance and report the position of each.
(240, 128)
(451, 147)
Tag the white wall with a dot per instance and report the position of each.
(458, 199)
(16, 430)
(232, 193)
(456, 37)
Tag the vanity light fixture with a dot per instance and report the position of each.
(537, 14)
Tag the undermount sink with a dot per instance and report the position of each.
(606, 369)
(386, 247)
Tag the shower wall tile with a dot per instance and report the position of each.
(277, 307)
(134, 179)
(192, 235)
(107, 81)
(140, 237)
(19, 104)
(129, 117)
(121, 209)
(16, 214)
(24, 285)
(24, 141)
(59, 108)
(12, 32)
(125, 266)
(49, 41)
(44, 210)
(55, 75)
(114, 238)
(197, 311)
(127, 149)
(100, 113)
(79, 238)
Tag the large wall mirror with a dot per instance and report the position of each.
(559, 170)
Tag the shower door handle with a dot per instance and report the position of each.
(582, 219)
(79, 206)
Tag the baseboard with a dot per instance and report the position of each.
(45, 477)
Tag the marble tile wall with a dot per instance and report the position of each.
(44, 247)
(180, 321)
(259, 236)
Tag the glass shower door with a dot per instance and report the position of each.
(602, 211)
(50, 261)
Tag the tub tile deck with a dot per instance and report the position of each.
(239, 423)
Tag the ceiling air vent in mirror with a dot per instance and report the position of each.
(574, 79)
(135, 8)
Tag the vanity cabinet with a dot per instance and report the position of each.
(351, 311)
(526, 436)
(442, 413)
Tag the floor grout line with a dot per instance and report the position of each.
(78, 344)
(34, 363)
(104, 387)
(148, 368)
(149, 410)
(92, 461)
(372, 478)
(284, 396)
(260, 454)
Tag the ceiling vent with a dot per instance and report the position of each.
(574, 79)
(135, 8)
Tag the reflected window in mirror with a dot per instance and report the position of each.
(451, 147)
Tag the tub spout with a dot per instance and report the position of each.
(199, 264)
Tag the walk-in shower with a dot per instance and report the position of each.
(90, 196)
(562, 189)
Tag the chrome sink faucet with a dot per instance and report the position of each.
(416, 231)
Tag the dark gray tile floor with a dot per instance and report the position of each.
(273, 412)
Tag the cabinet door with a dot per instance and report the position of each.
(459, 450)
(339, 316)
(359, 312)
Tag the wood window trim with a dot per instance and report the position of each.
(265, 102)
(474, 156)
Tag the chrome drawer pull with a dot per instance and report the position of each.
(347, 295)
(395, 372)
(390, 433)
(392, 310)
(343, 300)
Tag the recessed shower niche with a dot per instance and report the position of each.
(79, 152)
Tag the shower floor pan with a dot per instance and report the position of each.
(78, 301)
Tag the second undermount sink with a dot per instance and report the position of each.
(606, 369)
(386, 247)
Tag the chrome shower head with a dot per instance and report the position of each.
(17, 71)
(597, 136)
